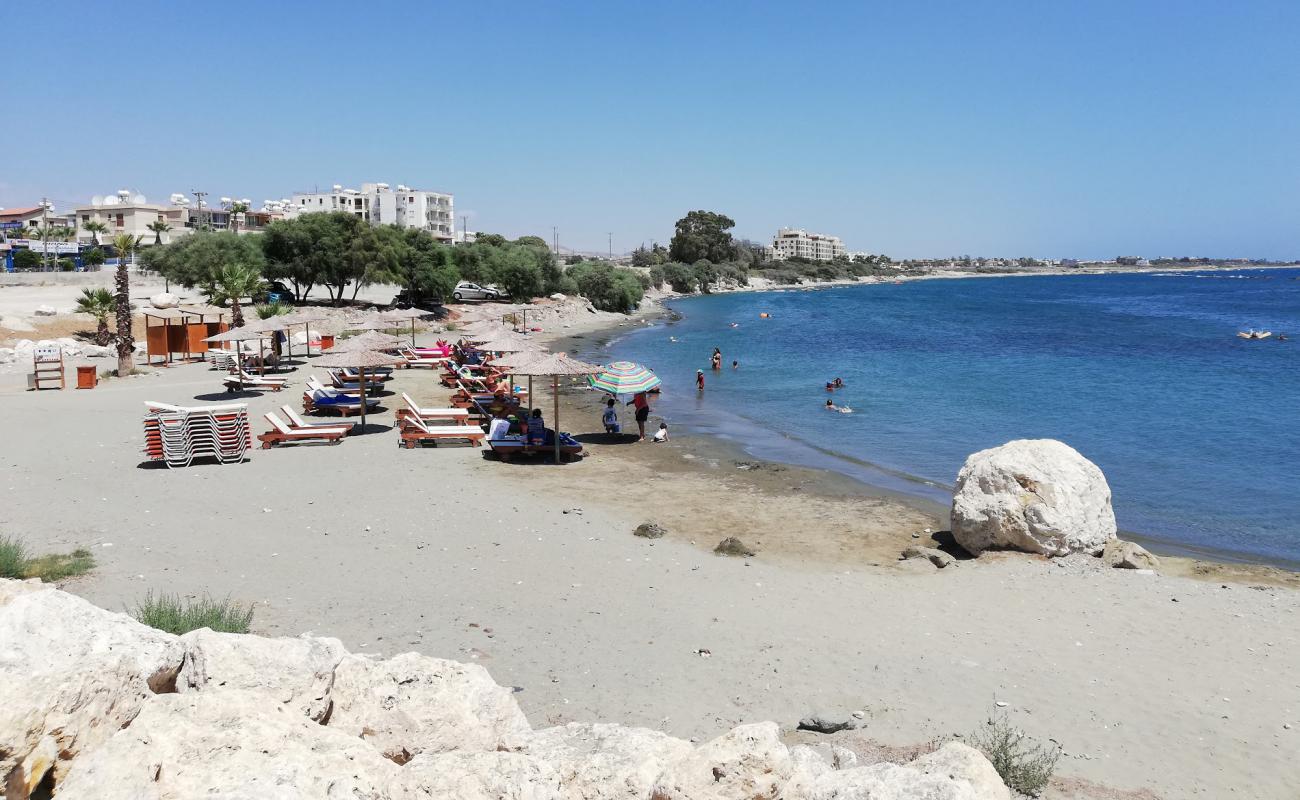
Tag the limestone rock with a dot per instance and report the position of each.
(7, 355)
(963, 762)
(164, 300)
(412, 704)
(936, 557)
(650, 530)
(731, 546)
(45, 311)
(296, 672)
(746, 763)
(477, 776)
(600, 761)
(71, 675)
(16, 324)
(1128, 555)
(97, 351)
(1035, 495)
(827, 723)
(889, 782)
(229, 744)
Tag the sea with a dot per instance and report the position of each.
(1194, 427)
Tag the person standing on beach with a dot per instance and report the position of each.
(642, 405)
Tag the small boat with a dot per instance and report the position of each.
(1254, 334)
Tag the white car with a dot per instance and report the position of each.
(472, 291)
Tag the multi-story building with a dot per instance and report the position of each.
(381, 204)
(799, 243)
(124, 212)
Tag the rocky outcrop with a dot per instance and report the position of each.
(71, 676)
(1034, 495)
(413, 704)
(94, 705)
(298, 673)
(1128, 555)
(164, 300)
(650, 530)
(44, 311)
(935, 556)
(731, 546)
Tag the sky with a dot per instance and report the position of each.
(1068, 128)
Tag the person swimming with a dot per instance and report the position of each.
(830, 406)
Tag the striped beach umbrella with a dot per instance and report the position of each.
(624, 377)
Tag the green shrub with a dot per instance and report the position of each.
(57, 566)
(13, 558)
(1025, 764)
(608, 288)
(681, 277)
(171, 613)
(657, 276)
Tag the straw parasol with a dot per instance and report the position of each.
(518, 358)
(304, 317)
(370, 340)
(360, 360)
(555, 365)
(372, 324)
(403, 314)
(244, 334)
(505, 342)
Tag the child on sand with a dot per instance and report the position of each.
(661, 435)
(610, 417)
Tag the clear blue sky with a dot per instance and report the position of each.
(1044, 127)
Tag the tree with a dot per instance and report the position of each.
(197, 260)
(98, 303)
(94, 228)
(702, 235)
(94, 257)
(26, 260)
(236, 209)
(533, 241)
(681, 277)
(233, 283)
(159, 227)
(318, 249)
(491, 239)
(608, 288)
(519, 274)
(124, 244)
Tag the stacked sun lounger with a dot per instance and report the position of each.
(177, 435)
(222, 359)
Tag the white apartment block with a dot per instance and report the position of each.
(381, 204)
(799, 243)
(124, 212)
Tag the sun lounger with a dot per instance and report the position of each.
(281, 433)
(255, 382)
(298, 423)
(314, 400)
(415, 430)
(373, 375)
(516, 444)
(315, 384)
(432, 414)
(413, 358)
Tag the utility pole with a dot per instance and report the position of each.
(198, 196)
(611, 246)
(464, 228)
(45, 240)
(555, 241)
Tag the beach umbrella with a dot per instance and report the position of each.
(518, 358)
(557, 365)
(412, 314)
(360, 360)
(506, 343)
(304, 317)
(245, 334)
(625, 377)
(370, 340)
(372, 324)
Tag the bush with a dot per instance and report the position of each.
(681, 277)
(170, 613)
(13, 558)
(15, 563)
(1025, 765)
(657, 277)
(67, 265)
(608, 288)
(27, 260)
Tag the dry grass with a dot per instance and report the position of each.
(15, 562)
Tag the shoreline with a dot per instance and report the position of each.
(920, 494)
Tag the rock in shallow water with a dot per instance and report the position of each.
(1034, 495)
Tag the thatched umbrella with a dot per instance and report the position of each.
(370, 340)
(518, 358)
(556, 365)
(412, 314)
(360, 360)
(304, 317)
(244, 334)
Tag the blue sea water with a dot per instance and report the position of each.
(1195, 428)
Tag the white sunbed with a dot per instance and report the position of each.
(281, 432)
(298, 422)
(458, 414)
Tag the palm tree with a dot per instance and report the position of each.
(98, 303)
(233, 283)
(237, 207)
(94, 228)
(124, 244)
(159, 228)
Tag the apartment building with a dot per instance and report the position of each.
(382, 204)
(799, 243)
(123, 212)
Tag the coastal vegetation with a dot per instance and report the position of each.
(16, 563)
(1024, 764)
(174, 614)
(124, 244)
(98, 303)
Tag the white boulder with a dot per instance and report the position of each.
(45, 311)
(97, 351)
(478, 776)
(962, 762)
(229, 744)
(7, 355)
(746, 763)
(16, 324)
(1035, 495)
(412, 704)
(164, 300)
(298, 673)
(602, 761)
(71, 675)
(1128, 555)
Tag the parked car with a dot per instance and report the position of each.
(472, 291)
(414, 298)
(273, 292)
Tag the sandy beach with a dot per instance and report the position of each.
(1177, 685)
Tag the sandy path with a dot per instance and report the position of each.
(1175, 685)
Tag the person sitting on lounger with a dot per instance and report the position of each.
(536, 428)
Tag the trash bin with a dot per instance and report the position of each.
(87, 377)
(326, 341)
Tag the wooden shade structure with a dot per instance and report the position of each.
(304, 317)
(244, 334)
(557, 365)
(182, 329)
(360, 360)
